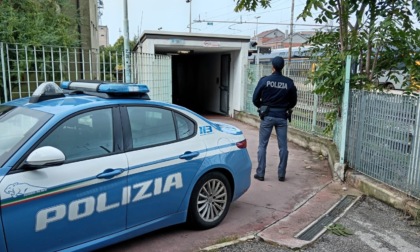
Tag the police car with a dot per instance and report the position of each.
(91, 164)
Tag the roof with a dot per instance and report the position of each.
(265, 33)
(189, 36)
(306, 34)
(296, 35)
(274, 40)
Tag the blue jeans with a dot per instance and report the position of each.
(266, 127)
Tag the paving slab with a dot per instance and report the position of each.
(284, 231)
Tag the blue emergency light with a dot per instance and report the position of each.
(102, 87)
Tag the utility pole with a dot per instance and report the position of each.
(189, 1)
(127, 50)
(256, 28)
(291, 37)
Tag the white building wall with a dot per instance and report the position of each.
(210, 68)
(238, 82)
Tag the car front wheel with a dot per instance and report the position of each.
(210, 201)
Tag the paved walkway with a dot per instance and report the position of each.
(273, 210)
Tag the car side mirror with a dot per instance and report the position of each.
(45, 156)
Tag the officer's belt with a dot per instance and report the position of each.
(277, 109)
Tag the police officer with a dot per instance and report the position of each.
(277, 93)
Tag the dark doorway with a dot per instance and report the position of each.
(201, 83)
(224, 83)
(184, 81)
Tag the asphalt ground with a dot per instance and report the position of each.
(271, 213)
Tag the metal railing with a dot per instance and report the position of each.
(383, 138)
(23, 68)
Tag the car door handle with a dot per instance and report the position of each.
(110, 173)
(188, 155)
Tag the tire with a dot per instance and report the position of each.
(210, 201)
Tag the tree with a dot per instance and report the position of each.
(381, 36)
(378, 34)
(113, 56)
(251, 5)
(38, 22)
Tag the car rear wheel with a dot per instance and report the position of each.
(210, 201)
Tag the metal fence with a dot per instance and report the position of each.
(310, 112)
(23, 68)
(384, 138)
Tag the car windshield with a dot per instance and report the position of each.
(17, 125)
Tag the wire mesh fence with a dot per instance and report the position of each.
(383, 138)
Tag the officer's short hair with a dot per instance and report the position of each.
(278, 63)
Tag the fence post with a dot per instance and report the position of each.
(345, 110)
(339, 168)
(3, 70)
(315, 113)
(361, 107)
(413, 178)
(19, 78)
(316, 101)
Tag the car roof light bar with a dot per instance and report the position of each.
(108, 88)
(80, 86)
(46, 91)
(123, 88)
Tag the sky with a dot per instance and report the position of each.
(174, 16)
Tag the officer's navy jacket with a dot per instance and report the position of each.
(275, 91)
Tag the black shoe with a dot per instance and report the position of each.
(258, 177)
(282, 179)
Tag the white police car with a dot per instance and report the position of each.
(102, 163)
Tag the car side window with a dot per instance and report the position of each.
(185, 126)
(151, 126)
(84, 136)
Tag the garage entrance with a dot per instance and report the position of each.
(206, 70)
(201, 82)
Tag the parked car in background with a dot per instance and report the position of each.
(392, 79)
(397, 79)
(91, 164)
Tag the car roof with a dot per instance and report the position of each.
(81, 95)
(75, 102)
